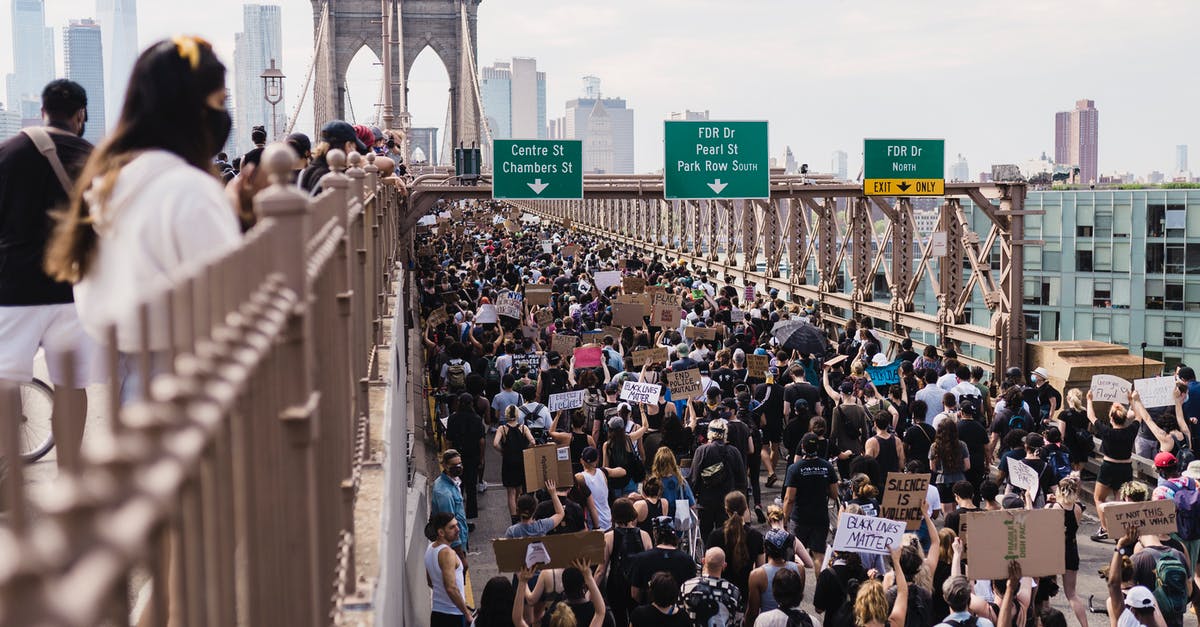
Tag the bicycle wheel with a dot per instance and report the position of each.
(35, 437)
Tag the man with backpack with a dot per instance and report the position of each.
(621, 543)
(717, 470)
(1185, 492)
(1164, 570)
(710, 600)
(456, 369)
(535, 415)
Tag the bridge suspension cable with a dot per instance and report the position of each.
(322, 28)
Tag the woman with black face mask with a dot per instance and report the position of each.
(149, 201)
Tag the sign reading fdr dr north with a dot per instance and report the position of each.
(537, 168)
(904, 167)
(706, 160)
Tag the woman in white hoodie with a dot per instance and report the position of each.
(149, 203)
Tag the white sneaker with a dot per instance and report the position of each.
(483, 486)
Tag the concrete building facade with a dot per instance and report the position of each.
(838, 164)
(575, 125)
(1076, 139)
(84, 60)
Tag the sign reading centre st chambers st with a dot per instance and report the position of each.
(904, 167)
(708, 160)
(537, 168)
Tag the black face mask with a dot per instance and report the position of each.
(218, 125)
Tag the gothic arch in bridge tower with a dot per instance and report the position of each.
(438, 24)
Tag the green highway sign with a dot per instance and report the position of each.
(904, 167)
(708, 160)
(532, 169)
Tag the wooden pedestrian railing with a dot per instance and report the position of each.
(227, 489)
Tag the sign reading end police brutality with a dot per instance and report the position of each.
(867, 534)
(537, 168)
(707, 160)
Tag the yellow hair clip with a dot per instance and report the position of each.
(189, 49)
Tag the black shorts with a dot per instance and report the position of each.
(1114, 475)
(773, 431)
(813, 536)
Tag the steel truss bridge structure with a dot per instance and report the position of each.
(820, 230)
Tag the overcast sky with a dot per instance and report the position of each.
(986, 76)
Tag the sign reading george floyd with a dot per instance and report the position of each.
(904, 167)
(707, 160)
(534, 169)
(1149, 517)
(867, 534)
(1107, 388)
(1034, 538)
(904, 498)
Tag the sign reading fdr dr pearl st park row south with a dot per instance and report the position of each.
(904, 167)
(531, 169)
(707, 160)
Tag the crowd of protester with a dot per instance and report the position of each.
(676, 484)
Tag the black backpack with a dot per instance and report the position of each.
(513, 446)
(799, 618)
(627, 541)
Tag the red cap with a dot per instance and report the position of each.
(1165, 460)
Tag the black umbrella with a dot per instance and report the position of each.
(800, 335)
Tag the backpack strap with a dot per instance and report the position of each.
(45, 145)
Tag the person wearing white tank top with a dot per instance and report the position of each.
(444, 573)
(596, 480)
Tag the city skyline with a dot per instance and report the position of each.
(84, 55)
(856, 53)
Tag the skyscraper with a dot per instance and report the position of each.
(838, 164)
(10, 123)
(260, 41)
(1181, 164)
(577, 125)
(688, 114)
(1076, 139)
(83, 53)
(118, 27)
(514, 97)
(960, 171)
(33, 51)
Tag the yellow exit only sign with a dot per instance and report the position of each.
(904, 187)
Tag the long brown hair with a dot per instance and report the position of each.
(165, 108)
(947, 448)
(735, 530)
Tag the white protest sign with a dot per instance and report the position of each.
(640, 392)
(607, 279)
(867, 534)
(567, 400)
(1107, 388)
(487, 313)
(536, 553)
(509, 305)
(736, 316)
(547, 247)
(1156, 391)
(1022, 476)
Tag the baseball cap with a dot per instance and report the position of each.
(615, 423)
(339, 132)
(590, 455)
(1165, 460)
(1139, 597)
(612, 388)
(1011, 501)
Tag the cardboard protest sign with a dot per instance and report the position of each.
(700, 333)
(567, 400)
(563, 344)
(904, 498)
(1034, 538)
(664, 310)
(649, 355)
(543, 317)
(867, 534)
(531, 361)
(885, 375)
(456, 215)
(736, 316)
(607, 279)
(1022, 476)
(562, 549)
(615, 332)
(628, 315)
(570, 251)
(1150, 517)
(509, 305)
(756, 366)
(588, 357)
(511, 226)
(833, 361)
(1107, 388)
(1156, 391)
(633, 285)
(547, 461)
(437, 317)
(640, 392)
(487, 314)
(537, 295)
(685, 384)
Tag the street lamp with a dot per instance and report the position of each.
(272, 80)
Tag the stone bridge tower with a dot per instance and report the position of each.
(412, 24)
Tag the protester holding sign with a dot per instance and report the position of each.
(512, 438)
(1170, 432)
(1117, 448)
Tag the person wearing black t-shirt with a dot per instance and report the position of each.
(964, 498)
(808, 486)
(972, 433)
(919, 438)
(836, 586)
(664, 557)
